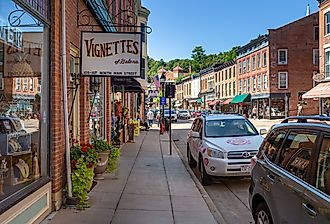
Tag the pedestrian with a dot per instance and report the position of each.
(158, 118)
(300, 109)
(150, 117)
(254, 112)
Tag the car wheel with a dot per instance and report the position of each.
(205, 177)
(191, 161)
(262, 214)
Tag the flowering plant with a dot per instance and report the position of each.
(85, 151)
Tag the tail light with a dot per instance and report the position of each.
(253, 161)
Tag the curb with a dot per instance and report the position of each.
(213, 209)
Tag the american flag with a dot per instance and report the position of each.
(156, 81)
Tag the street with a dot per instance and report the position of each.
(230, 195)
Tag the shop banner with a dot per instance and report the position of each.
(111, 54)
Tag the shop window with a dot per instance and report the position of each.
(283, 80)
(24, 139)
(282, 56)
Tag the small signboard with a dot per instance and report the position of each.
(199, 100)
(162, 101)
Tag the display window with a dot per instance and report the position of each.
(23, 102)
(277, 107)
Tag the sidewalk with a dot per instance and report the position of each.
(152, 187)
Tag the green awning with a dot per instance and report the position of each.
(243, 98)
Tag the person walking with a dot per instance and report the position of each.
(150, 117)
(158, 118)
(254, 112)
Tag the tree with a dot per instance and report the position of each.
(198, 54)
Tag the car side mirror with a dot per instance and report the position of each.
(195, 134)
(263, 131)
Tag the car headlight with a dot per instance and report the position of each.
(215, 153)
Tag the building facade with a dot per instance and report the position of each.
(274, 72)
(207, 89)
(321, 79)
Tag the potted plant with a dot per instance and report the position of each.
(83, 160)
(103, 148)
(113, 160)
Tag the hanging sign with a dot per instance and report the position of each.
(111, 54)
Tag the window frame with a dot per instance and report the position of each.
(286, 80)
(279, 62)
(326, 24)
(265, 81)
(316, 60)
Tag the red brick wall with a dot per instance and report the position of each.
(298, 38)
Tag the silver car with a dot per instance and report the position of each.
(222, 145)
(290, 181)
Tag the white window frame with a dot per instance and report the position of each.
(253, 62)
(316, 56)
(258, 60)
(259, 83)
(326, 24)
(240, 85)
(248, 85)
(264, 59)
(31, 84)
(18, 84)
(279, 59)
(254, 83)
(265, 81)
(286, 80)
(25, 85)
(327, 63)
(244, 86)
(248, 65)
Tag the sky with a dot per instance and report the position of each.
(178, 26)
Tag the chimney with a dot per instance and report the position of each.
(308, 10)
(189, 69)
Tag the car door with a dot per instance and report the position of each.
(196, 142)
(289, 178)
(316, 198)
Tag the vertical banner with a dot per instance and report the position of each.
(111, 54)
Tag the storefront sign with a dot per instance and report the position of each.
(111, 54)
(10, 35)
(318, 77)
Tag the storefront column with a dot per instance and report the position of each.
(108, 109)
(84, 111)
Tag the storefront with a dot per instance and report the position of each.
(274, 105)
(243, 103)
(25, 191)
(321, 92)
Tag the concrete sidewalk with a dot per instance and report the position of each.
(152, 187)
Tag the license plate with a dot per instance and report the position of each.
(246, 169)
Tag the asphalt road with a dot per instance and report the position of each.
(230, 195)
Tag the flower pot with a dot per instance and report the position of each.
(101, 166)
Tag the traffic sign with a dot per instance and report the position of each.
(162, 101)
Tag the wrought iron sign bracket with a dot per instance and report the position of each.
(126, 18)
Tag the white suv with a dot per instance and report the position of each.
(222, 145)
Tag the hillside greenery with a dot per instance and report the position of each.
(198, 61)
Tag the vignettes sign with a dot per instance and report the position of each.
(111, 54)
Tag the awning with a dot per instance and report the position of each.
(144, 84)
(322, 90)
(227, 101)
(214, 102)
(126, 84)
(243, 98)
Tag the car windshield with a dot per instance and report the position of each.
(229, 128)
(183, 111)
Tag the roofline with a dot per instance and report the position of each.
(253, 42)
(225, 65)
(290, 23)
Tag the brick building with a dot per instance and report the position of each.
(321, 84)
(207, 90)
(34, 175)
(274, 70)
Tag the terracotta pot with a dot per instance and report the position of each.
(101, 166)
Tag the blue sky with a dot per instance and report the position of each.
(217, 25)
